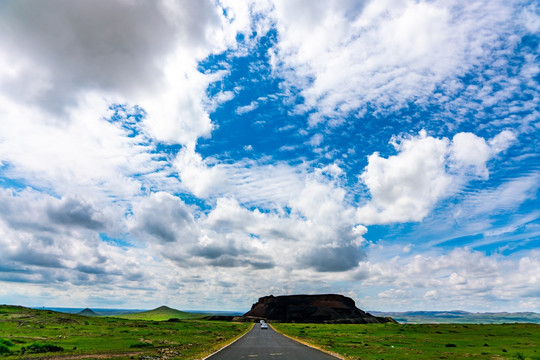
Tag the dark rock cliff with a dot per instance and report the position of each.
(329, 308)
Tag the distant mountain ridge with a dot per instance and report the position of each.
(460, 316)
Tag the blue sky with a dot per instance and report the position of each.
(202, 154)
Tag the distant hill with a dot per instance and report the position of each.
(160, 314)
(87, 312)
(460, 317)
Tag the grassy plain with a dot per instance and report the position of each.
(43, 334)
(416, 341)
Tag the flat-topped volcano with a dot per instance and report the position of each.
(329, 308)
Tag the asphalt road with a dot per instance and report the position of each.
(268, 344)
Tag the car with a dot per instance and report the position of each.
(264, 326)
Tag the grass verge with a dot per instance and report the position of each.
(417, 341)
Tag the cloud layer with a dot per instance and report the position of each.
(390, 152)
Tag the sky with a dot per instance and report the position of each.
(204, 153)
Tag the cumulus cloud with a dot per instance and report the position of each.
(77, 52)
(406, 186)
(197, 175)
(45, 239)
(332, 259)
(502, 141)
(233, 236)
(126, 51)
(322, 236)
(72, 212)
(164, 218)
(470, 153)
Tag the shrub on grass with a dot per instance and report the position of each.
(6, 342)
(3, 349)
(450, 345)
(140, 345)
(38, 348)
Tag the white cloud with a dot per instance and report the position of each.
(406, 186)
(470, 153)
(55, 241)
(311, 221)
(448, 281)
(219, 99)
(195, 174)
(130, 51)
(81, 152)
(431, 294)
(176, 114)
(390, 52)
(531, 18)
(247, 108)
(316, 140)
(165, 219)
(249, 181)
(261, 252)
(60, 73)
(392, 294)
(502, 141)
(506, 197)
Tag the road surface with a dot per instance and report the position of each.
(268, 344)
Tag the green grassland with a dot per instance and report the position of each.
(43, 334)
(417, 341)
(160, 314)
